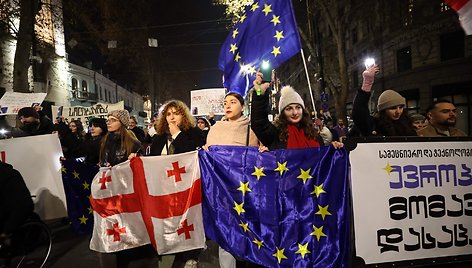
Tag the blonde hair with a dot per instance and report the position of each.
(188, 121)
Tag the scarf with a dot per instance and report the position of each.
(297, 138)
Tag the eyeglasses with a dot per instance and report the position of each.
(112, 120)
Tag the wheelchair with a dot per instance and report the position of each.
(29, 246)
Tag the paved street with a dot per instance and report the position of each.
(72, 251)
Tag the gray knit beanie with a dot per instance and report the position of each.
(289, 96)
(389, 98)
(121, 115)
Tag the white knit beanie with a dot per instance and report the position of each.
(289, 96)
(389, 98)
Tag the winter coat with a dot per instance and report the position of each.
(113, 153)
(186, 141)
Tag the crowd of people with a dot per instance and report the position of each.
(173, 130)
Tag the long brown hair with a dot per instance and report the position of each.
(128, 140)
(188, 121)
(306, 124)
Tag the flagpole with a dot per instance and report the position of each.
(309, 84)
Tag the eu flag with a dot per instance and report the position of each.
(266, 32)
(285, 208)
(77, 178)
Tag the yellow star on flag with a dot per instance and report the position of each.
(302, 250)
(83, 220)
(258, 172)
(76, 175)
(90, 210)
(323, 211)
(239, 208)
(252, 70)
(279, 35)
(235, 32)
(318, 232)
(237, 57)
(388, 168)
(275, 20)
(305, 175)
(279, 254)
(86, 185)
(318, 190)
(281, 167)
(243, 17)
(233, 48)
(258, 243)
(244, 187)
(63, 169)
(267, 9)
(255, 7)
(245, 226)
(276, 51)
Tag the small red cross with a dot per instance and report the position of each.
(176, 171)
(116, 232)
(185, 229)
(104, 180)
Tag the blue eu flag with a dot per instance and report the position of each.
(266, 32)
(285, 208)
(77, 178)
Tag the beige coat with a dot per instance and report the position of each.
(231, 133)
(431, 131)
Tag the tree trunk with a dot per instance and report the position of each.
(340, 101)
(23, 47)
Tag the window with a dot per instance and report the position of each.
(404, 59)
(75, 87)
(412, 97)
(444, 7)
(452, 45)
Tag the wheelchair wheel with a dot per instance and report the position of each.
(31, 245)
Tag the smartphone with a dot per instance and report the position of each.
(267, 75)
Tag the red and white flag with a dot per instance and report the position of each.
(149, 200)
(464, 9)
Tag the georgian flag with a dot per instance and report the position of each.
(464, 9)
(149, 200)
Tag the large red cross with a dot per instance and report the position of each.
(116, 231)
(176, 171)
(104, 179)
(185, 229)
(135, 202)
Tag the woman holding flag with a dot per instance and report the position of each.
(176, 132)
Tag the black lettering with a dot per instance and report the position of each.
(449, 243)
(398, 208)
(414, 246)
(460, 234)
(436, 206)
(468, 204)
(392, 236)
(417, 200)
(456, 213)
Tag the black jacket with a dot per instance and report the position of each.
(16, 205)
(367, 125)
(113, 152)
(265, 131)
(186, 141)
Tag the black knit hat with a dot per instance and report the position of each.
(28, 112)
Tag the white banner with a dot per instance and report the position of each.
(11, 102)
(204, 101)
(37, 159)
(412, 200)
(85, 113)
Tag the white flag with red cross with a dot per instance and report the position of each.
(149, 200)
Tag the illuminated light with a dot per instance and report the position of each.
(265, 65)
(369, 62)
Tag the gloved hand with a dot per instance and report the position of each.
(368, 77)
